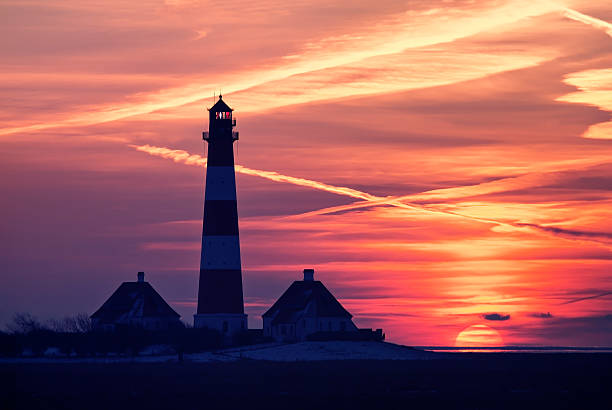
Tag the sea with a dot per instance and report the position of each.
(516, 349)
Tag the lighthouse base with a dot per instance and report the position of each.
(228, 324)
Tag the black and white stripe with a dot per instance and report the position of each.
(220, 290)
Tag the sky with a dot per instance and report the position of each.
(444, 166)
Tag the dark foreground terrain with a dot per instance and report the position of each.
(464, 381)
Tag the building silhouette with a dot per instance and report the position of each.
(135, 304)
(306, 308)
(220, 301)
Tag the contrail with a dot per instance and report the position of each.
(591, 21)
(599, 237)
(485, 188)
(567, 232)
(601, 295)
(501, 185)
(369, 200)
(185, 157)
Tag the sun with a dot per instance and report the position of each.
(478, 336)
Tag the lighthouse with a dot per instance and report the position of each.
(220, 302)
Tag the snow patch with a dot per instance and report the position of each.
(276, 352)
(330, 350)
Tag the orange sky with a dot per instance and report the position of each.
(441, 164)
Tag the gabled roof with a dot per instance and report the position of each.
(305, 298)
(134, 300)
(220, 106)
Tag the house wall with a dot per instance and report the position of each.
(335, 324)
(306, 326)
(284, 332)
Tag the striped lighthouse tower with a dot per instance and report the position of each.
(220, 303)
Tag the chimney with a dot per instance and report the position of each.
(308, 275)
(140, 277)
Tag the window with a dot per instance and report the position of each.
(304, 323)
(329, 326)
(343, 326)
(225, 327)
(223, 115)
(283, 330)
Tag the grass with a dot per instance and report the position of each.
(465, 381)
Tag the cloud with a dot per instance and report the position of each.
(600, 295)
(368, 46)
(595, 88)
(567, 232)
(591, 21)
(495, 316)
(200, 34)
(587, 330)
(541, 315)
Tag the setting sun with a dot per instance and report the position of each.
(479, 336)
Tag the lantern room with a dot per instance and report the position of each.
(220, 121)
